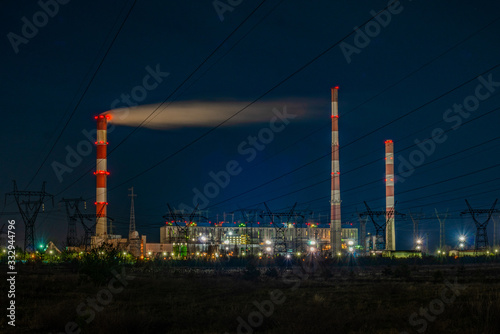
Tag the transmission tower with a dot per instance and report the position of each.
(280, 247)
(481, 232)
(442, 241)
(417, 240)
(29, 204)
(90, 230)
(380, 228)
(300, 218)
(74, 215)
(250, 217)
(182, 222)
(72, 207)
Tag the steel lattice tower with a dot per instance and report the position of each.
(182, 222)
(415, 218)
(72, 204)
(29, 204)
(250, 217)
(380, 229)
(280, 246)
(442, 240)
(481, 232)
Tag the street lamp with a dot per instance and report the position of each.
(461, 238)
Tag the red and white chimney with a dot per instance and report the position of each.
(101, 174)
(390, 232)
(335, 222)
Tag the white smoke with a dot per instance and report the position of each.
(208, 113)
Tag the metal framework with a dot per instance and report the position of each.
(74, 214)
(380, 228)
(442, 240)
(72, 207)
(279, 244)
(300, 218)
(481, 232)
(29, 204)
(182, 222)
(415, 218)
(250, 217)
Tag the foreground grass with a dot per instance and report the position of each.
(346, 300)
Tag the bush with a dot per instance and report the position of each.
(96, 265)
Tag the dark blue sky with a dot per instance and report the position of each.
(42, 83)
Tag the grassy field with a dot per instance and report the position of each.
(319, 298)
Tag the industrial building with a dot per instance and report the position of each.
(183, 236)
(241, 240)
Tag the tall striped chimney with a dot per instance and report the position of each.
(101, 174)
(335, 223)
(390, 233)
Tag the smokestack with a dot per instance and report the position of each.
(335, 223)
(101, 174)
(390, 233)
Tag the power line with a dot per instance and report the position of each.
(168, 97)
(364, 165)
(318, 130)
(300, 69)
(83, 95)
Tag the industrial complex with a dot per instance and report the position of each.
(256, 231)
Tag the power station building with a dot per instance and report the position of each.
(240, 239)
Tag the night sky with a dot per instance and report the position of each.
(398, 84)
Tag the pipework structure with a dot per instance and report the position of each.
(335, 217)
(389, 196)
(101, 174)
